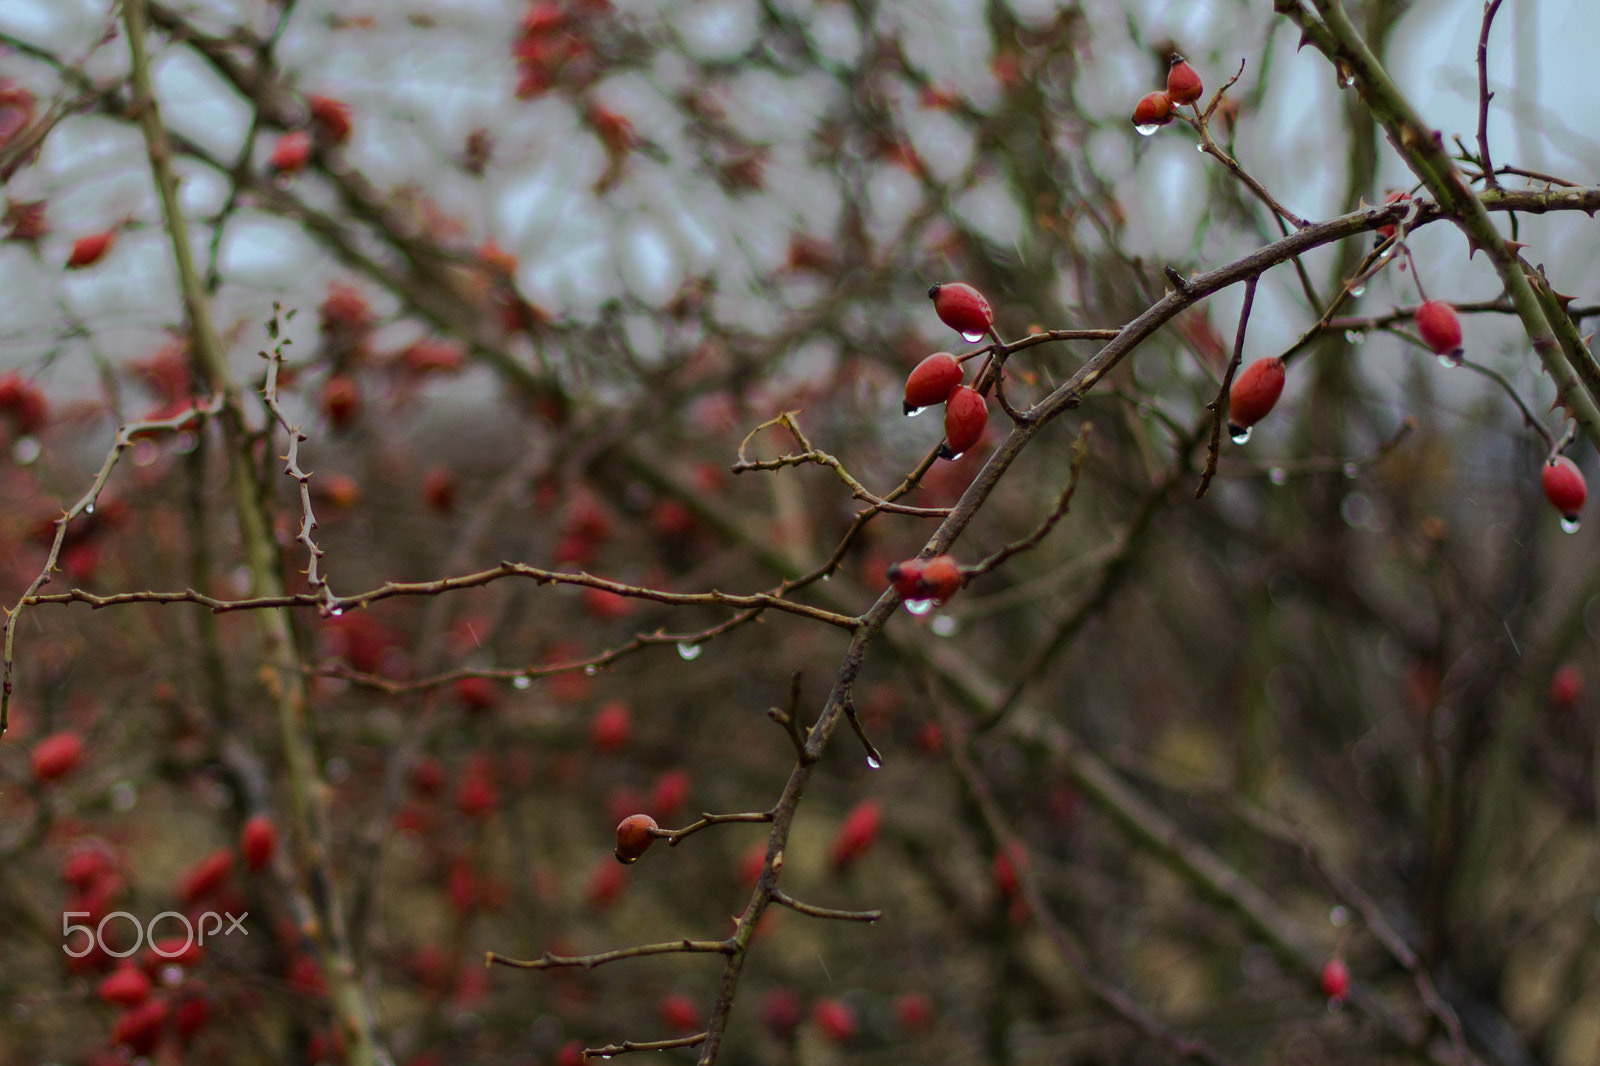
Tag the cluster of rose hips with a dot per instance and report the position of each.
(921, 580)
(1156, 109)
(937, 379)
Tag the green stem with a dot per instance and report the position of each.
(279, 655)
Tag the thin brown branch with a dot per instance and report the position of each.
(1490, 7)
(548, 961)
(610, 1050)
(1219, 406)
(1080, 455)
(392, 589)
(674, 836)
(811, 910)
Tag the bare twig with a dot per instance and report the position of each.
(548, 961)
(1490, 7)
(1219, 406)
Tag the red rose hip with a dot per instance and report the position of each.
(1565, 489)
(1183, 84)
(1566, 688)
(931, 382)
(56, 755)
(634, 837)
(941, 578)
(1153, 111)
(963, 309)
(966, 413)
(906, 577)
(1440, 329)
(1335, 979)
(258, 840)
(1255, 392)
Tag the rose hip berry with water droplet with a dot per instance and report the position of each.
(962, 308)
(1183, 83)
(634, 837)
(1564, 486)
(1439, 328)
(1255, 392)
(906, 577)
(941, 578)
(931, 381)
(1153, 109)
(966, 414)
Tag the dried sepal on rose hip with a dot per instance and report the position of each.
(1183, 83)
(1440, 329)
(1254, 394)
(931, 382)
(1564, 487)
(1153, 111)
(966, 414)
(635, 834)
(963, 309)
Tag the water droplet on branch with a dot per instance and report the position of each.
(1239, 434)
(919, 607)
(1146, 129)
(1569, 523)
(689, 652)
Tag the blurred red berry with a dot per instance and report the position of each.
(341, 402)
(258, 841)
(291, 153)
(856, 834)
(1566, 687)
(781, 1010)
(605, 885)
(913, 1011)
(56, 755)
(679, 1013)
(1335, 978)
(835, 1020)
(477, 693)
(87, 251)
(139, 1029)
(205, 877)
(611, 729)
(670, 794)
(331, 116)
(477, 797)
(127, 986)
